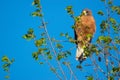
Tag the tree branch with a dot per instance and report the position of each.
(49, 39)
(58, 76)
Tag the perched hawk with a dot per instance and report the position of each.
(84, 29)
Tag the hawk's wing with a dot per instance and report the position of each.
(75, 36)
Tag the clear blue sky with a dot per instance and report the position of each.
(15, 20)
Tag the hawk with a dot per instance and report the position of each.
(85, 28)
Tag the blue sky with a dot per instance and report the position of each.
(15, 20)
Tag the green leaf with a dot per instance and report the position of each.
(6, 69)
(59, 46)
(116, 9)
(60, 56)
(68, 52)
(115, 28)
(36, 2)
(24, 36)
(48, 52)
(6, 65)
(50, 56)
(101, 38)
(66, 35)
(73, 27)
(69, 10)
(117, 41)
(111, 78)
(43, 34)
(42, 50)
(33, 3)
(118, 12)
(7, 77)
(112, 20)
(63, 55)
(89, 36)
(89, 78)
(34, 14)
(68, 7)
(30, 34)
(100, 13)
(30, 31)
(5, 59)
(116, 69)
(71, 39)
(87, 51)
(62, 34)
(115, 48)
(76, 18)
(108, 39)
(35, 55)
(110, 2)
(40, 42)
(103, 26)
(105, 39)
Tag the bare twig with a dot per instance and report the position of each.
(49, 39)
(95, 69)
(70, 76)
(106, 51)
(51, 66)
(58, 76)
(117, 56)
(72, 73)
(98, 67)
(53, 49)
(106, 61)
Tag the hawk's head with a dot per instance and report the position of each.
(86, 12)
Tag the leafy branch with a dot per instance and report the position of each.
(51, 49)
(6, 65)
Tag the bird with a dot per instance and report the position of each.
(84, 30)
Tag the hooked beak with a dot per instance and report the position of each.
(84, 13)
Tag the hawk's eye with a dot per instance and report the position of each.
(87, 11)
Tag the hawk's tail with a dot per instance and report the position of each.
(79, 54)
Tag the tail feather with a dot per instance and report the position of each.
(79, 53)
(80, 56)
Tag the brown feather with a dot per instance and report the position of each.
(84, 26)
